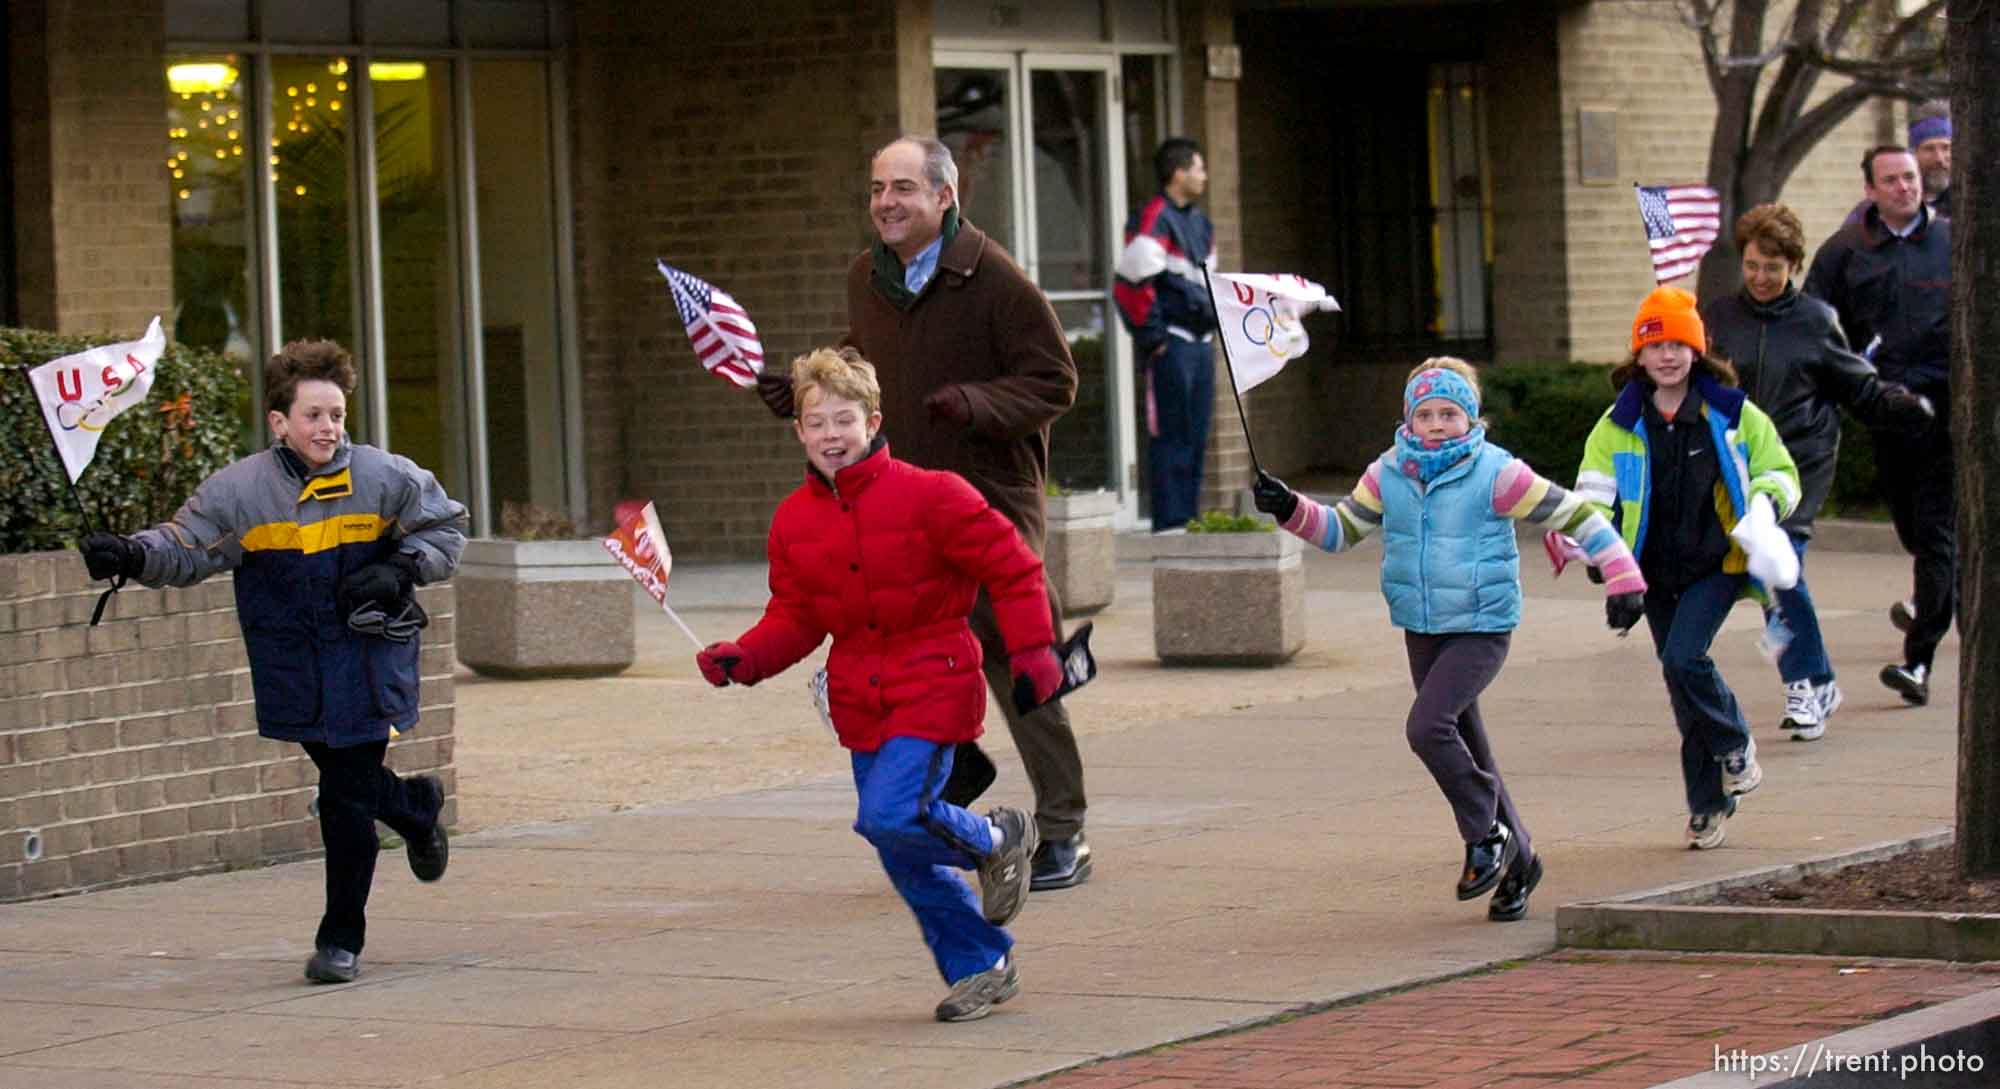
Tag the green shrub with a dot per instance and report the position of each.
(1542, 412)
(148, 460)
(1853, 494)
(1216, 521)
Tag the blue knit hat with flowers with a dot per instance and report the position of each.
(1439, 382)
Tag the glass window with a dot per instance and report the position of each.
(1080, 451)
(209, 144)
(409, 22)
(1069, 180)
(311, 152)
(419, 265)
(308, 22)
(975, 119)
(208, 20)
(517, 280)
(520, 24)
(1145, 124)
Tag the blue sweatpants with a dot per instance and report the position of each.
(923, 841)
(1183, 380)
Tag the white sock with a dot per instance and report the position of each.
(999, 836)
(1001, 965)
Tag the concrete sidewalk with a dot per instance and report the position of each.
(662, 888)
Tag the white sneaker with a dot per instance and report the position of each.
(1802, 712)
(1705, 833)
(1740, 773)
(1830, 699)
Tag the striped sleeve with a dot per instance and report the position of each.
(1343, 525)
(1523, 495)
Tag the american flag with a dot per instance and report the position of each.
(1681, 224)
(723, 337)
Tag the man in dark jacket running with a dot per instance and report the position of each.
(1889, 279)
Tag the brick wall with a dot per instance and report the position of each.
(1211, 118)
(129, 751)
(738, 149)
(90, 201)
(1632, 56)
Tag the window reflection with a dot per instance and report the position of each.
(209, 142)
(311, 108)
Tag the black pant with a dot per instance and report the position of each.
(1446, 732)
(355, 791)
(1043, 736)
(1917, 478)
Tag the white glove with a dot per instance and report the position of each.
(1769, 548)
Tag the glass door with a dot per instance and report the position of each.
(1056, 200)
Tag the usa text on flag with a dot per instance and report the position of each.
(1681, 224)
(719, 328)
(82, 393)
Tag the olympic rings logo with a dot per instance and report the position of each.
(74, 414)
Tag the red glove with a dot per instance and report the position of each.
(724, 662)
(1037, 675)
(950, 405)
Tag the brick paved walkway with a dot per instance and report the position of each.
(1577, 1020)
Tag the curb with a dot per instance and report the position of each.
(1666, 918)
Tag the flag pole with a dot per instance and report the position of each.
(117, 581)
(1230, 368)
(682, 624)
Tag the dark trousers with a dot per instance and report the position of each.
(1447, 734)
(355, 791)
(923, 842)
(1916, 476)
(1043, 736)
(1183, 384)
(1705, 710)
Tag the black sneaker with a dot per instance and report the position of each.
(330, 964)
(1510, 900)
(1486, 860)
(975, 996)
(1003, 875)
(1912, 682)
(430, 854)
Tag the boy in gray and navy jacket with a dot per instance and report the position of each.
(327, 541)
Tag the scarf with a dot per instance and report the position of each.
(1427, 463)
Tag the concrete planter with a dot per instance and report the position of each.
(1082, 551)
(1228, 598)
(543, 609)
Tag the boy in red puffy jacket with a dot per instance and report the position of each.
(887, 558)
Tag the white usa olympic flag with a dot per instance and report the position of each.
(82, 393)
(1258, 317)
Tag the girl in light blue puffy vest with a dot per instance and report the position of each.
(1446, 500)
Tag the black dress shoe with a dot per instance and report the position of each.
(330, 964)
(1486, 860)
(1510, 900)
(1060, 864)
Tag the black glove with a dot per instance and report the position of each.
(386, 583)
(1905, 408)
(1273, 498)
(108, 555)
(1621, 611)
(776, 390)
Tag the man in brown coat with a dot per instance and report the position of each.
(974, 368)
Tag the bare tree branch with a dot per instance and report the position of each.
(1813, 126)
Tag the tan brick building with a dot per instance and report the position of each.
(472, 195)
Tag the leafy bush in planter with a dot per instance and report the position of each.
(1216, 521)
(149, 459)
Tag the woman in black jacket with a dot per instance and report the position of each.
(1794, 363)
